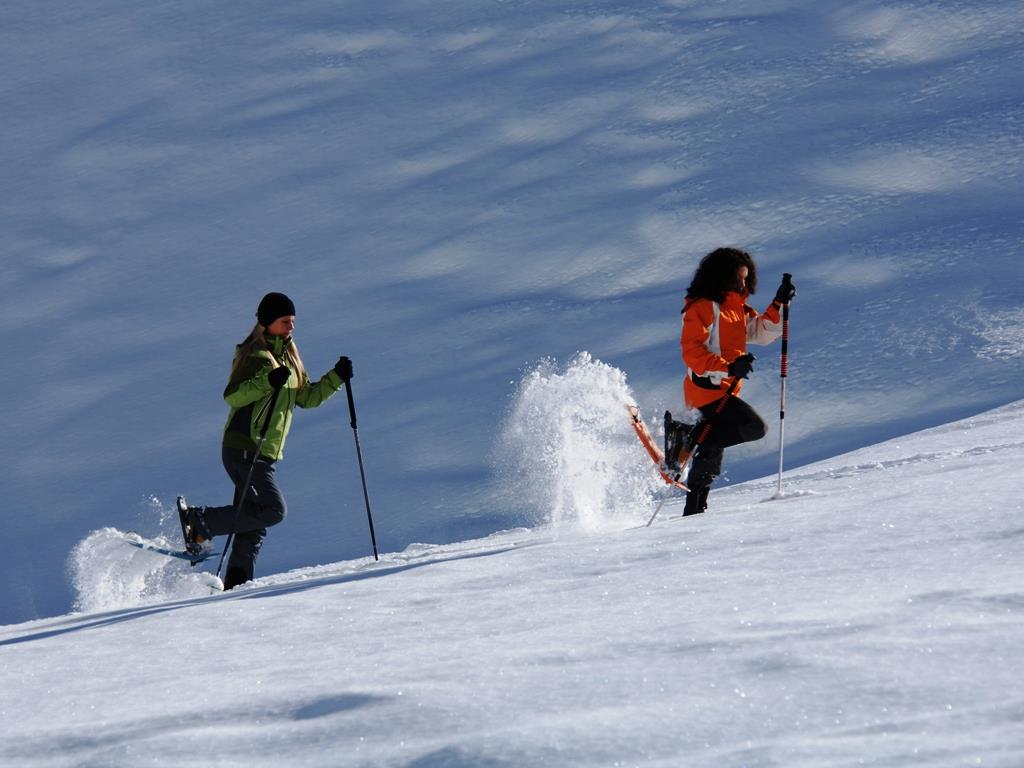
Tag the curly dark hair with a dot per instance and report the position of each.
(716, 275)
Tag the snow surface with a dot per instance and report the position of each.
(872, 616)
(454, 192)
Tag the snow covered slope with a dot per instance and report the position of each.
(875, 616)
(452, 191)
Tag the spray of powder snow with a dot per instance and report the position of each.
(568, 452)
(108, 573)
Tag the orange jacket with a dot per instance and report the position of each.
(716, 334)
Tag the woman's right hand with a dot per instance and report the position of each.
(742, 366)
(279, 377)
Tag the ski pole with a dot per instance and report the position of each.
(362, 472)
(684, 456)
(248, 479)
(783, 371)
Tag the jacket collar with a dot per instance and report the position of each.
(735, 299)
(277, 344)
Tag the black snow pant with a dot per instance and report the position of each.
(737, 423)
(264, 506)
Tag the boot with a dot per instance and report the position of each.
(193, 528)
(696, 501)
(677, 438)
(234, 577)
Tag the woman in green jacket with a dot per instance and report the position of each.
(267, 361)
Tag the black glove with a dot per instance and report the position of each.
(279, 377)
(343, 368)
(742, 366)
(785, 293)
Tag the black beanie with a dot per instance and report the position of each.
(273, 306)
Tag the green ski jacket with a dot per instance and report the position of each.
(248, 393)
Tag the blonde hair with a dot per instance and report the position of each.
(258, 340)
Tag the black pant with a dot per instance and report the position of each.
(737, 423)
(264, 506)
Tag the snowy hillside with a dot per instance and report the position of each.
(874, 616)
(455, 191)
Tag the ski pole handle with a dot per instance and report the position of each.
(787, 279)
(351, 403)
(783, 373)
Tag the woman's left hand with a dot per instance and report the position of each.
(785, 293)
(343, 368)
